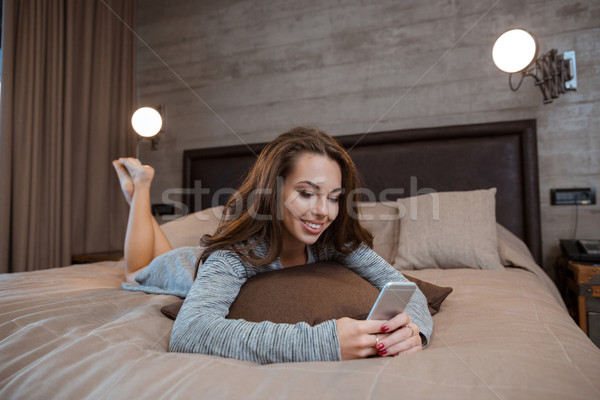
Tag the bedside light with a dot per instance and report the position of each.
(515, 51)
(147, 122)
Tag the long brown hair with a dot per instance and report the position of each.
(240, 231)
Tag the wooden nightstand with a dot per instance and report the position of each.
(579, 284)
(96, 257)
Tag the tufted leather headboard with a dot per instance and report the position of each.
(407, 162)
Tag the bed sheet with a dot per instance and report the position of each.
(73, 332)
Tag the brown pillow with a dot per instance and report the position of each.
(320, 291)
(434, 294)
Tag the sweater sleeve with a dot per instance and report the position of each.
(201, 326)
(372, 267)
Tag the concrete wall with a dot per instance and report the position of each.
(232, 72)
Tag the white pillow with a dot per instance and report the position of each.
(448, 230)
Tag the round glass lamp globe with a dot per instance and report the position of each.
(514, 51)
(146, 121)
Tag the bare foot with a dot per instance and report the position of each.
(140, 174)
(125, 180)
(131, 173)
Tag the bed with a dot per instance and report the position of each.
(470, 221)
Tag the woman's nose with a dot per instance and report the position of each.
(321, 208)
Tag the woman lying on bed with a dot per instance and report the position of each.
(299, 215)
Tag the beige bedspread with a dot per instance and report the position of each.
(72, 333)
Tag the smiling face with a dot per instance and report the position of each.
(311, 193)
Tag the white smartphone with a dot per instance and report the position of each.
(392, 300)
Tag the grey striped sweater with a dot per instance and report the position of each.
(201, 326)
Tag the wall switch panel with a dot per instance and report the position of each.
(579, 196)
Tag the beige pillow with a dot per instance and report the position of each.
(188, 230)
(382, 219)
(512, 250)
(449, 230)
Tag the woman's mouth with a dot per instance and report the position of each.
(312, 226)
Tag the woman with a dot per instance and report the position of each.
(295, 206)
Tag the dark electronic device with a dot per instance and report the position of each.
(580, 196)
(581, 250)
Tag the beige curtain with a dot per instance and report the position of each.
(68, 89)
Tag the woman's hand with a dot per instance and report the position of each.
(357, 338)
(402, 337)
(361, 339)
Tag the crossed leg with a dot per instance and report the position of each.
(144, 239)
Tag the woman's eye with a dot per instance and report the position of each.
(305, 194)
(334, 199)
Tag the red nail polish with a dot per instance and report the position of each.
(385, 328)
(383, 352)
(380, 346)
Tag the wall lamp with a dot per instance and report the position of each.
(147, 122)
(516, 51)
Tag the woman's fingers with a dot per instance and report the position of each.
(399, 341)
(357, 339)
(415, 349)
(397, 322)
(409, 346)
